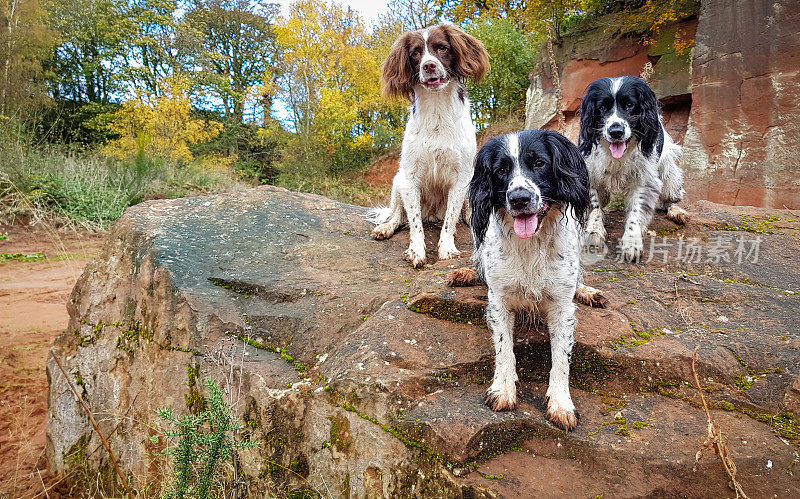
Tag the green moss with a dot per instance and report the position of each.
(398, 433)
(727, 406)
(298, 366)
(489, 476)
(668, 230)
(613, 404)
(195, 402)
(450, 311)
(340, 433)
(20, 257)
(640, 337)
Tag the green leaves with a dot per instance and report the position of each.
(502, 92)
(204, 439)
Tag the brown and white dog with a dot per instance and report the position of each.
(429, 67)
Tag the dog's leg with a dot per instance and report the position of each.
(561, 323)
(415, 254)
(385, 228)
(502, 394)
(590, 296)
(678, 215)
(640, 204)
(587, 294)
(455, 203)
(672, 190)
(595, 229)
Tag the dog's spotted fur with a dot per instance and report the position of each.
(530, 265)
(628, 151)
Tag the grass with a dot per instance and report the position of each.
(344, 188)
(85, 189)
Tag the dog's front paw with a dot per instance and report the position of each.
(448, 250)
(382, 231)
(501, 396)
(561, 412)
(631, 247)
(595, 238)
(462, 277)
(678, 215)
(415, 256)
(590, 296)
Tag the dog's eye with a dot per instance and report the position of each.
(502, 171)
(539, 164)
(415, 54)
(629, 106)
(443, 49)
(602, 109)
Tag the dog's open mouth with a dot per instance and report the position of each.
(436, 82)
(526, 225)
(618, 148)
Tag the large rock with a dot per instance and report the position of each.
(744, 132)
(365, 376)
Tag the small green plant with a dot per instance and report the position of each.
(203, 440)
(33, 257)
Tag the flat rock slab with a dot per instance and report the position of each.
(342, 357)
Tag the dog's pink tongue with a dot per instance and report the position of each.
(617, 148)
(525, 226)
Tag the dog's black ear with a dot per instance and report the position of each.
(588, 134)
(572, 178)
(648, 124)
(480, 194)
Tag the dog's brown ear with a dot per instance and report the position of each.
(472, 61)
(397, 80)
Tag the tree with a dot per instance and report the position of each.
(94, 36)
(24, 41)
(159, 126)
(154, 52)
(530, 16)
(330, 82)
(502, 91)
(414, 14)
(235, 51)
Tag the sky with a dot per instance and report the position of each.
(369, 9)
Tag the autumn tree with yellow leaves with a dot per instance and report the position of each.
(159, 126)
(331, 84)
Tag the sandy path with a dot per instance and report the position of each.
(33, 312)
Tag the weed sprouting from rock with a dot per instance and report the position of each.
(203, 441)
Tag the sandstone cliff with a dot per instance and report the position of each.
(732, 99)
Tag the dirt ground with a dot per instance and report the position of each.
(33, 296)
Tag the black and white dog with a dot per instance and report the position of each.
(429, 67)
(628, 150)
(528, 196)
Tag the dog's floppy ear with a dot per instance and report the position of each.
(572, 178)
(588, 134)
(480, 195)
(648, 124)
(472, 61)
(397, 80)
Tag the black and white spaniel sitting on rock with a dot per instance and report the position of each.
(528, 196)
(628, 151)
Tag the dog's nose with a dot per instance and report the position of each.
(519, 199)
(616, 131)
(429, 67)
